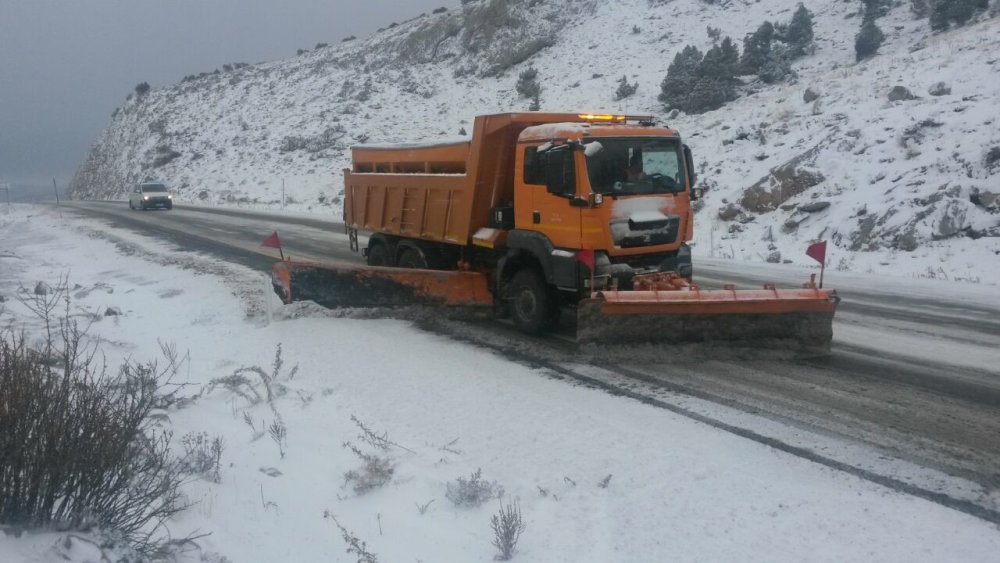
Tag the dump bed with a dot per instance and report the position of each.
(441, 191)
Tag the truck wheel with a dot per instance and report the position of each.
(411, 258)
(378, 255)
(531, 306)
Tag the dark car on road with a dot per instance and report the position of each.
(150, 195)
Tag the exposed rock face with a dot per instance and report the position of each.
(900, 93)
(810, 95)
(729, 212)
(939, 89)
(906, 241)
(987, 200)
(952, 220)
(784, 182)
(774, 257)
(814, 206)
(992, 160)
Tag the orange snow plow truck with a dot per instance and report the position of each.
(545, 213)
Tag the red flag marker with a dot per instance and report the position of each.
(817, 251)
(273, 242)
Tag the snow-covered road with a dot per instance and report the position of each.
(680, 488)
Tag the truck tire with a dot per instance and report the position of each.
(411, 258)
(378, 255)
(531, 305)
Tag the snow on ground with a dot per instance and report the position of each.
(679, 490)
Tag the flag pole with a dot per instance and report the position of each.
(822, 268)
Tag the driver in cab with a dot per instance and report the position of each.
(634, 171)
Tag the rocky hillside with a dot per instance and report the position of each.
(895, 159)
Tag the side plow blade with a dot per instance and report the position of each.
(344, 286)
(795, 320)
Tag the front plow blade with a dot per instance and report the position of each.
(794, 320)
(344, 286)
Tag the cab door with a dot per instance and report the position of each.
(546, 202)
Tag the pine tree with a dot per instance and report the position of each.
(799, 34)
(874, 9)
(676, 86)
(757, 48)
(868, 40)
(527, 84)
(944, 12)
(708, 94)
(625, 89)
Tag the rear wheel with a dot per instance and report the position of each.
(531, 305)
(378, 255)
(411, 258)
(130, 206)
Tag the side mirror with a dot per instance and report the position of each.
(696, 194)
(689, 164)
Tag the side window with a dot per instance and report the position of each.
(534, 166)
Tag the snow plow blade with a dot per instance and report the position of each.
(344, 286)
(665, 309)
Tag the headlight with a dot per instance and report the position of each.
(170, 197)
(145, 197)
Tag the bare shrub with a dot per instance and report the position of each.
(474, 491)
(374, 439)
(375, 471)
(202, 456)
(279, 433)
(354, 544)
(625, 90)
(78, 445)
(507, 528)
(269, 383)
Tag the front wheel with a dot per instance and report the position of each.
(531, 305)
(378, 255)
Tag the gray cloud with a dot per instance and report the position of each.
(66, 64)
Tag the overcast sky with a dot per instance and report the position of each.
(65, 65)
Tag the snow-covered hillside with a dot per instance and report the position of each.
(908, 187)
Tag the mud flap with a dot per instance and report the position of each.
(458, 294)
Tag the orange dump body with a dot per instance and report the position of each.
(439, 191)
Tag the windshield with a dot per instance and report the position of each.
(637, 165)
(154, 188)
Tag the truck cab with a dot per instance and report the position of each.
(621, 190)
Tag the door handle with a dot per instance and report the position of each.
(536, 217)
